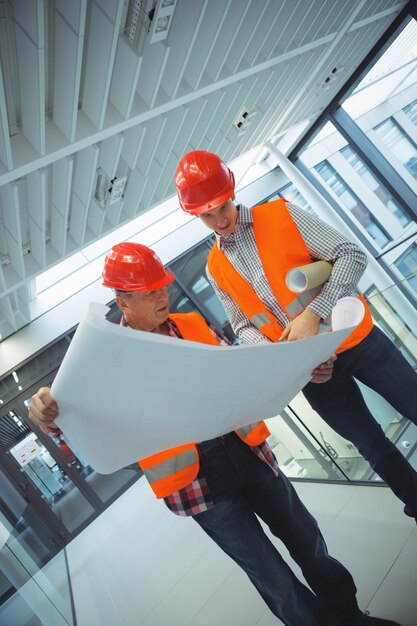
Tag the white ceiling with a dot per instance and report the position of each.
(76, 96)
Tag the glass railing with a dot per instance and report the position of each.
(307, 448)
(34, 588)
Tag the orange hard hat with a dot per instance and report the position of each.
(203, 182)
(134, 267)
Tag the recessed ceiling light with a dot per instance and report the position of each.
(162, 24)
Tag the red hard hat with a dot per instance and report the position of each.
(133, 267)
(203, 182)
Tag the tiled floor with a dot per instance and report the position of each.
(138, 564)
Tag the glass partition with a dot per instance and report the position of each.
(30, 592)
(302, 453)
(32, 465)
(34, 584)
(407, 265)
(375, 185)
(308, 448)
(291, 193)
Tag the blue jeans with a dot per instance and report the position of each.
(377, 363)
(242, 487)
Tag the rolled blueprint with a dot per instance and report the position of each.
(117, 388)
(308, 276)
(348, 311)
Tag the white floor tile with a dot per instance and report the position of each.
(368, 564)
(145, 587)
(235, 602)
(397, 597)
(190, 594)
(324, 504)
(269, 620)
(411, 544)
(93, 603)
(375, 515)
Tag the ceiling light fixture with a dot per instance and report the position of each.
(161, 20)
(241, 117)
(162, 24)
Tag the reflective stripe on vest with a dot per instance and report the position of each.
(281, 249)
(302, 301)
(254, 434)
(175, 464)
(176, 472)
(173, 469)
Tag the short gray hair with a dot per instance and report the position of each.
(122, 294)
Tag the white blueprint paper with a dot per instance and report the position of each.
(124, 394)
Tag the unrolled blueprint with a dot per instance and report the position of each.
(124, 394)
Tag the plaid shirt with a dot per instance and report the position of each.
(195, 497)
(322, 242)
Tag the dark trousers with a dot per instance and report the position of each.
(244, 487)
(377, 363)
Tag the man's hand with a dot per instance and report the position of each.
(307, 325)
(304, 325)
(324, 372)
(43, 409)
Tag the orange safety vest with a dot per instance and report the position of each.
(281, 249)
(173, 469)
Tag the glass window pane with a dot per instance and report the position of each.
(375, 185)
(179, 302)
(352, 203)
(27, 546)
(411, 111)
(190, 270)
(11, 386)
(298, 453)
(392, 324)
(407, 264)
(395, 72)
(38, 466)
(26, 526)
(291, 193)
(385, 96)
(399, 144)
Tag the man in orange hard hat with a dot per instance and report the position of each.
(226, 482)
(254, 250)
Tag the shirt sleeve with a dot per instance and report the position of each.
(241, 325)
(325, 243)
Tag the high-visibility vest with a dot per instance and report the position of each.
(173, 469)
(281, 249)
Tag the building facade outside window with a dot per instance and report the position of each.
(411, 111)
(375, 185)
(407, 265)
(357, 209)
(291, 193)
(399, 144)
(392, 324)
